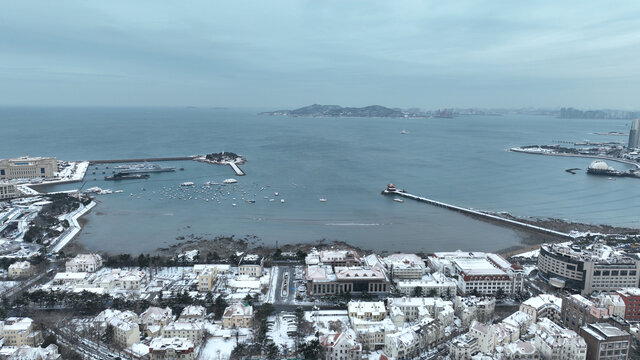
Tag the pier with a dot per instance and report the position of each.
(391, 190)
(236, 169)
(179, 158)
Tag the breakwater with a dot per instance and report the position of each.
(113, 161)
(478, 214)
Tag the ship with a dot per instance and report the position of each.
(126, 176)
(143, 168)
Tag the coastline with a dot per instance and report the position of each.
(623, 161)
(74, 228)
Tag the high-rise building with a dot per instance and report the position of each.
(634, 134)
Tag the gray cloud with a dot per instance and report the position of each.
(290, 53)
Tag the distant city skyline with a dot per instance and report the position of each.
(288, 54)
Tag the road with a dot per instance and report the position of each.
(286, 273)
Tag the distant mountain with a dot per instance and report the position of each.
(339, 111)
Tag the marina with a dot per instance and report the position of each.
(392, 190)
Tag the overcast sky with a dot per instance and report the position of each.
(286, 54)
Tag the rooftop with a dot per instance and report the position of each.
(179, 344)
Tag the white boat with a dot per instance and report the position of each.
(282, 201)
(187, 183)
(276, 194)
(230, 181)
(398, 200)
(403, 132)
(323, 200)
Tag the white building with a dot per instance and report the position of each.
(492, 335)
(485, 273)
(171, 348)
(404, 344)
(126, 331)
(333, 258)
(84, 263)
(366, 311)
(237, 316)
(557, 343)
(154, 319)
(463, 347)
(184, 329)
(8, 190)
(251, 265)
(435, 283)
(543, 305)
(473, 308)
(70, 278)
(414, 308)
(21, 332)
(341, 346)
(21, 269)
(405, 266)
(28, 167)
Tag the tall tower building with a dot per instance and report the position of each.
(634, 134)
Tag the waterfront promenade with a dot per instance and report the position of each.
(478, 214)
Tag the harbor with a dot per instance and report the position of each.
(392, 190)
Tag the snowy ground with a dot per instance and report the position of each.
(322, 319)
(280, 327)
(223, 341)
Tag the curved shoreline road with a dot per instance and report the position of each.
(525, 151)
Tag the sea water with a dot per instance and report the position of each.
(462, 161)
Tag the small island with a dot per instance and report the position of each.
(317, 110)
(222, 158)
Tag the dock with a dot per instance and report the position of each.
(179, 158)
(236, 169)
(391, 190)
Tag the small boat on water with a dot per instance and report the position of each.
(230, 181)
(250, 201)
(276, 194)
(398, 200)
(404, 132)
(323, 200)
(282, 201)
(187, 183)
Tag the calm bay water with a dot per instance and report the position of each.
(348, 161)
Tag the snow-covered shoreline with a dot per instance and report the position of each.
(74, 227)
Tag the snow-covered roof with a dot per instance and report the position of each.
(70, 276)
(20, 265)
(175, 343)
(603, 331)
(156, 314)
(238, 310)
(404, 261)
(544, 300)
(358, 272)
(362, 307)
(183, 326)
(17, 324)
